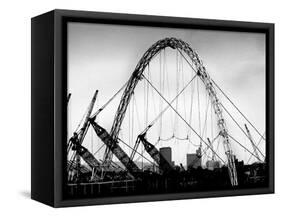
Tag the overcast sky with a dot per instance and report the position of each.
(102, 57)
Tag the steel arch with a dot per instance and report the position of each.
(136, 76)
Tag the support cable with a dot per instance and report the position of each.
(205, 151)
(138, 152)
(152, 94)
(240, 127)
(110, 99)
(257, 146)
(199, 113)
(169, 93)
(191, 109)
(231, 103)
(180, 115)
(99, 149)
(160, 83)
(184, 97)
(177, 90)
(238, 109)
(166, 108)
(242, 146)
(204, 129)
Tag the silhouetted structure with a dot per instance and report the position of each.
(212, 164)
(166, 152)
(194, 160)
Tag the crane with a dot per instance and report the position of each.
(253, 143)
(86, 123)
(155, 154)
(77, 139)
(115, 148)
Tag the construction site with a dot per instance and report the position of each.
(167, 136)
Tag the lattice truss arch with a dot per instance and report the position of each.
(136, 76)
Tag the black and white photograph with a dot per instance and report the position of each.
(140, 108)
(158, 110)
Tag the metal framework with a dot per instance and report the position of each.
(163, 164)
(115, 148)
(136, 76)
(77, 139)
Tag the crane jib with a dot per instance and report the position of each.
(115, 148)
(164, 165)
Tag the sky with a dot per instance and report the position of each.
(102, 57)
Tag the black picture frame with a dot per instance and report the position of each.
(49, 91)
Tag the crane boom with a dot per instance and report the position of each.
(81, 151)
(77, 139)
(88, 157)
(135, 149)
(155, 154)
(115, 148)
(71, 165)
(85, 125)
(253, 144)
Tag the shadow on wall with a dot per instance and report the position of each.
(25, 194)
